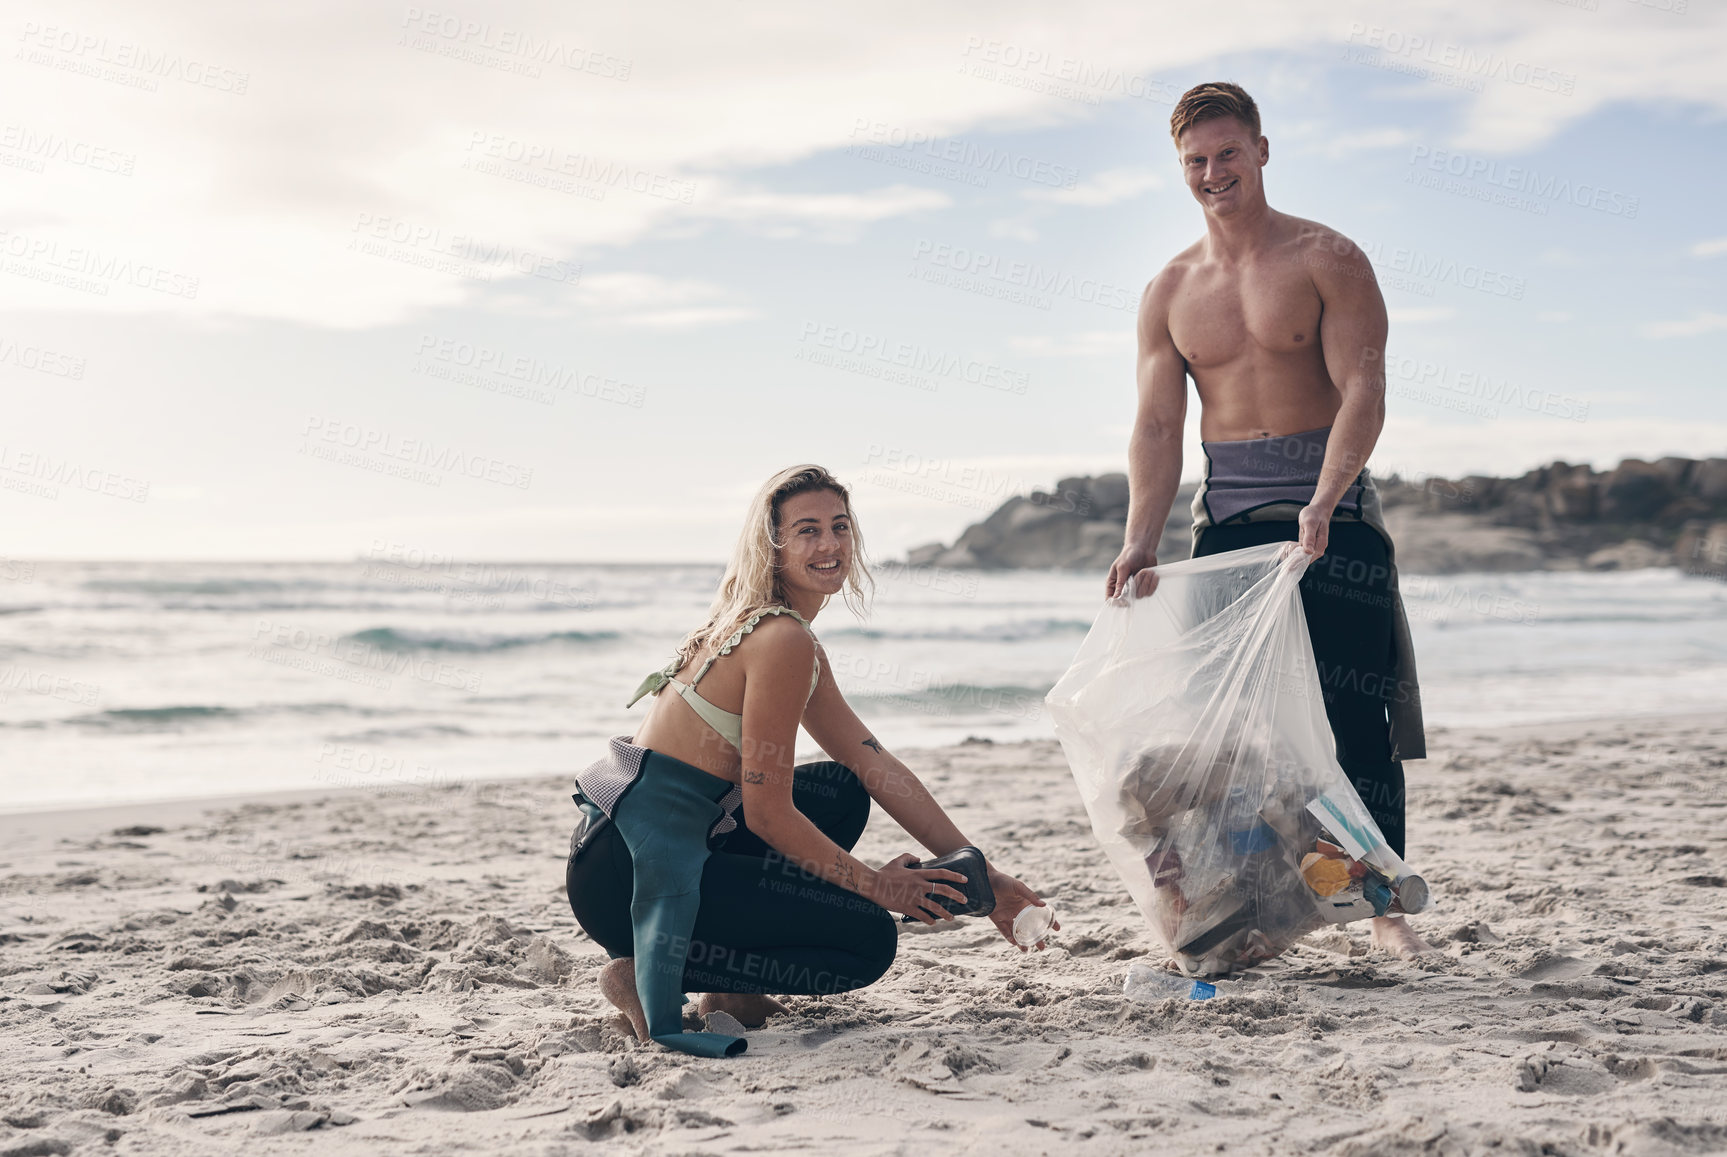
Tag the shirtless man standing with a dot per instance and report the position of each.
(1282, 327)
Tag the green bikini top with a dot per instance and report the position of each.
(729, 724)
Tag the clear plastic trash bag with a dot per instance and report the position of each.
(1194, 724)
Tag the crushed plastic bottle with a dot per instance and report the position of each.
(1146, 984)
(1032, 924)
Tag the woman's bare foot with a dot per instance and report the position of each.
(1394, 935)
(751, 1011)
(618, 985)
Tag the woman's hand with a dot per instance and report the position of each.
(1011, 898)
(907, 890)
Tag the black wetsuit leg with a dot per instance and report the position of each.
(1347, 599)
(764, 925)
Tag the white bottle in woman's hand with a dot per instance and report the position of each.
(1032, 924)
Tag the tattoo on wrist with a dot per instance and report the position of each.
(870, 742)
(844, 875)
(755, 776)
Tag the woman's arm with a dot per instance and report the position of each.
(776, 678)
(832, 723)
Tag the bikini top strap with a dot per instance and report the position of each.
(748, 626)
(652, 684)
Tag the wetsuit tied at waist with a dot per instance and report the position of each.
(664, 811)
(1272, 479)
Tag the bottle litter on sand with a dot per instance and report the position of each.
(1146, 984)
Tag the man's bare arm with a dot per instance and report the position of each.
(1154, 448)
(1352, 332)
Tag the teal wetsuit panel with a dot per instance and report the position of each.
(664, 819)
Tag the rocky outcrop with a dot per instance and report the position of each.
(1430, 542)
(1077, 526)
(1702, 548)
(1565, 517)
(1671, 512)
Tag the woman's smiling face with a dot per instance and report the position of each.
(817, 534)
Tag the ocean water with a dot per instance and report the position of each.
(124, 681)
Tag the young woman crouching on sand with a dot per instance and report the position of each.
(668, 875)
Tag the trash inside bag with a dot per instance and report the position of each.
(1194, 723)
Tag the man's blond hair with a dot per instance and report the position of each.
(1205, 102)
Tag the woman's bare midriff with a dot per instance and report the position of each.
(673, 728)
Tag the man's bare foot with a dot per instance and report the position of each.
(751, 1011)
(1394, 935)
(618, 985)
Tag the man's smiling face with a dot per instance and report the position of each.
(1221, 161)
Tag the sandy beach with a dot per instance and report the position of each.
(397, 971)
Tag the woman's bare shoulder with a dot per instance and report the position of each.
(779, 637)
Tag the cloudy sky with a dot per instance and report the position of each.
(555, 281)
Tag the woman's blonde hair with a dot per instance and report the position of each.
(753, 579)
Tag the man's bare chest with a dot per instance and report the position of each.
(1218, 317)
